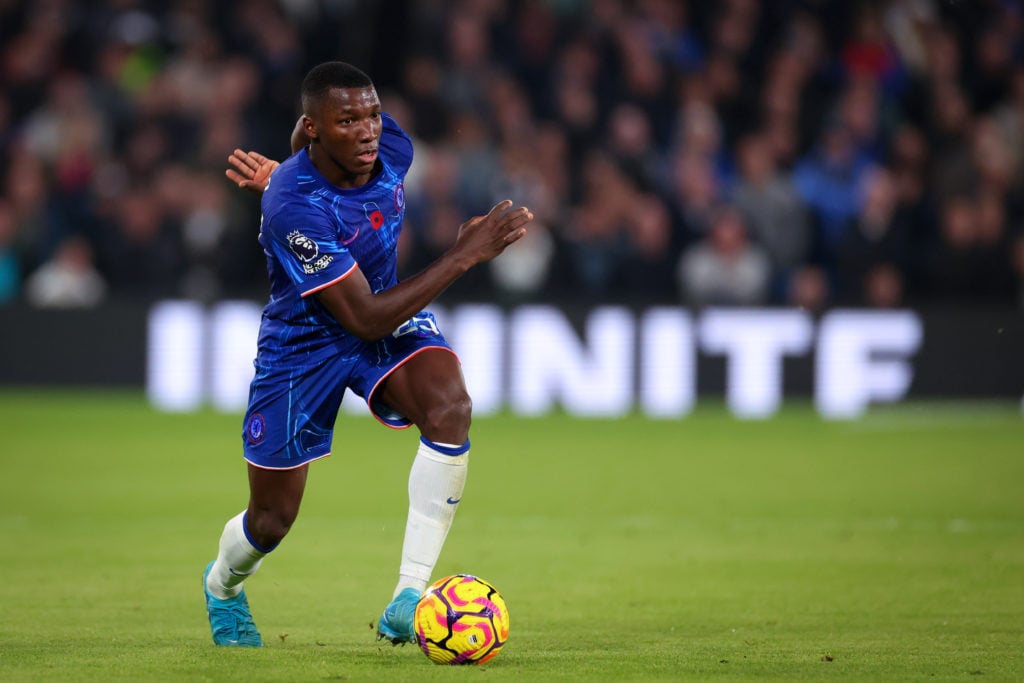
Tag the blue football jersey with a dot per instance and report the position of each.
(315, 234)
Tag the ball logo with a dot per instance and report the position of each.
(256, 429)
(302, 246)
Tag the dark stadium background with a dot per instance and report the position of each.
(815, 154)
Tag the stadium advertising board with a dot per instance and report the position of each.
(534, 359)
(602, 362)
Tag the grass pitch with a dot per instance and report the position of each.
(708, 548)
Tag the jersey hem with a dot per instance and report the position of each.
(328, 284)
(262, 464)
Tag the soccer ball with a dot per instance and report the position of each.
(461, 619)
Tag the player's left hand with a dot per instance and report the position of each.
(482, 238)
(251, 170)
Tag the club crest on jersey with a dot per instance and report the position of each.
(302, 246)
(399, 197)
(256, 429)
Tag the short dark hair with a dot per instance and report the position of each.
(328, 75)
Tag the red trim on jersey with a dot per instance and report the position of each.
(332, 282)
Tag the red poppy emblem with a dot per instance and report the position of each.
(376, 220)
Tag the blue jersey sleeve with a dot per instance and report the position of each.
(305, 242)
(395, 144)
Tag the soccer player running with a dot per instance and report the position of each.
(337, 319)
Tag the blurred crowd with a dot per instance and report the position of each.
(805, 153)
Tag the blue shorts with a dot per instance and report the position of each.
(291, 413)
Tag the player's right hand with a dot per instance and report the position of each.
(485, 237)
(251, 170)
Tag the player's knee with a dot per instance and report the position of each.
(448, 421)
(269, 526)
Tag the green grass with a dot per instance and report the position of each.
(707, 548)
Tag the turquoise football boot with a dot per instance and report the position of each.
(396, 622)
(230, 620)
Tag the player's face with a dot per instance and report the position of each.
(347, 129)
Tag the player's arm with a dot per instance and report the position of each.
(251, 170)
(299, 137)
(372, 316)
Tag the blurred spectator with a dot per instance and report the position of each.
(875, 250)
(829, 181)
(952, 269)
(780, 109)
(905, 24)
(809, 289)
(725, 268)
(995, 246)
(574, 88)
(732, 64)
(526, 272)
(69, 279)
(468, 51)
(644, 78)
(423, 88)
(800, 85)
(859, 110)
(1017, 260)
(668, 29)
(649, 263)
(476, 159)
(630, 140)
(431, 190)
(774, 212)
(883, 286)
(523, 272)
(952, 168)
(870, 54)
(993, 159)
(624, 125)
(695, 193)
(28, 196)
(141, 254)
(971, 261)
(908, 162)
(992, 64)
(535, 36)
(6, 126)
(10, 269)
(1009, 116)
(597, 231)
(202, 221)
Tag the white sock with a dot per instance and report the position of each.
(436, 481)
(237, 559)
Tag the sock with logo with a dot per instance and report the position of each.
(436, 481)
(238, 558)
